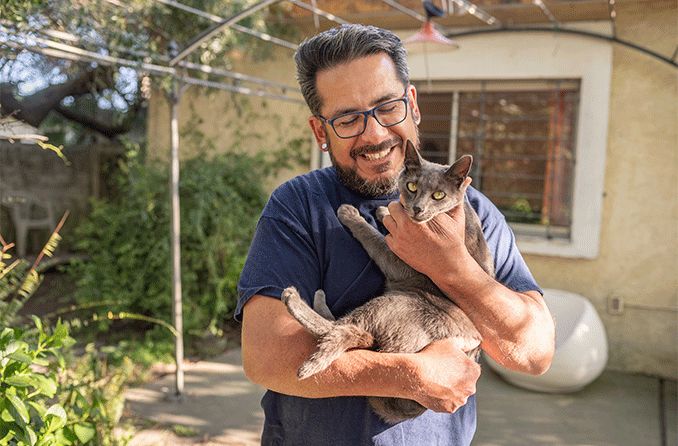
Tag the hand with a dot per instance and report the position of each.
(445, 376)
(432, 248)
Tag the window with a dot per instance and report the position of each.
(522, 138)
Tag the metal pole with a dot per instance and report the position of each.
(177, 315)
(218, 28)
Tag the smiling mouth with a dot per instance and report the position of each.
(375, 156)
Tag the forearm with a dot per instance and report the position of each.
(517, 328)
(271, 357)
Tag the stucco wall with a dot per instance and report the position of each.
(214, 121)
(638, 258)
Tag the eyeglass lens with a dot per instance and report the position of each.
(387, 114)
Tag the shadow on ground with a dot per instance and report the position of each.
(220, 405)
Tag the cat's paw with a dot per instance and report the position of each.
(382, 211)
(348, 214)
(289, 293)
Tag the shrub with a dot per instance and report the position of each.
(127, 238)
(43, 401)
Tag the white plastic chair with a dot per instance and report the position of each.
(581, 347)
(22, 207)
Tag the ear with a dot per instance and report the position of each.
(416, 113)
(460, 169)
(319, 130)
(412, 158)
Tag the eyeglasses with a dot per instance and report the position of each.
(350, 125)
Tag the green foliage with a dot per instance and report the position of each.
(127, 239)
(45, 398)
(42, 402)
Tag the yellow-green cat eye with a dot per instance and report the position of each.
(438, 195)
(412, 187)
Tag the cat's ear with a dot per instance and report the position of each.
(460, 169)
(412, 157)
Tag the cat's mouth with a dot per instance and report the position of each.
(419, 218)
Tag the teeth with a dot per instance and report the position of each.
(378, 155)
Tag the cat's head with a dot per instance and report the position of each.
(428, 189)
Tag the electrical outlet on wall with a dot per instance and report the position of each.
(615, 305)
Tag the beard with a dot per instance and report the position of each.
(372, 189)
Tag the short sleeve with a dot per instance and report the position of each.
(282, 254)
(510, 267)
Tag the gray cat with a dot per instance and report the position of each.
(412, 312)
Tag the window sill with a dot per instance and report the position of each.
(555, 247)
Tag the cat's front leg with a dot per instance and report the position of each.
(382, 211)
(373, 242)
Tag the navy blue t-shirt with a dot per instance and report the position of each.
(300, 242)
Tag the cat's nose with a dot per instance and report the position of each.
(417, 210)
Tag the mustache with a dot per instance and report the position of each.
(362, 150)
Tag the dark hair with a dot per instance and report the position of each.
(343, 44)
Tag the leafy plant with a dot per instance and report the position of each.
(45, 398)
(127, 238)
(28, 380)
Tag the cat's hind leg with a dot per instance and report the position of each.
(305, 315)
(320, 306)
(341, 338)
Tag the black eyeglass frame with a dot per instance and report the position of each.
(366, 114)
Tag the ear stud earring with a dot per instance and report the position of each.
(323, 147)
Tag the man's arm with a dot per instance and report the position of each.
(517, 328)
(274, 345)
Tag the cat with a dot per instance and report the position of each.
(412, 312)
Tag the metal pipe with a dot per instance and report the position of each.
(547, 12)
(198, 40)
(241, 90)
(477, 11)
(215, 18)
(320, 12)
(405, 10)
(568, 31)
(89, 56)
(175, 231)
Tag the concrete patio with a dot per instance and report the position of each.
(222, 407)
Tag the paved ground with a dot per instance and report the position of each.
(222, 408)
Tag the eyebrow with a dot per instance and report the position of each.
(374, 103)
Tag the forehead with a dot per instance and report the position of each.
(358, 84)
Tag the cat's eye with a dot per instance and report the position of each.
(412, 187)
(438, 195)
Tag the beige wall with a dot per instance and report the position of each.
(212, 121)
(638, 258)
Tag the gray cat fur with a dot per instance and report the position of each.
(412, 312)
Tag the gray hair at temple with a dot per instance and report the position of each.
(340, 45)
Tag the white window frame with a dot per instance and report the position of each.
(547, 56)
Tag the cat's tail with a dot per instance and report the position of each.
(313, 322)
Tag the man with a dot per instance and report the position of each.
(349, 76)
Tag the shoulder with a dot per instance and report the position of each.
(302, 190)
(306, 184)
(486, 210)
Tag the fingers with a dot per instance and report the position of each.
(394, 217)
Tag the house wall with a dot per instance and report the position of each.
(637, 259)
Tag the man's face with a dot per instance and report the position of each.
(368, 163)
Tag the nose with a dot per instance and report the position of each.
(374, 132)
(417, 210)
